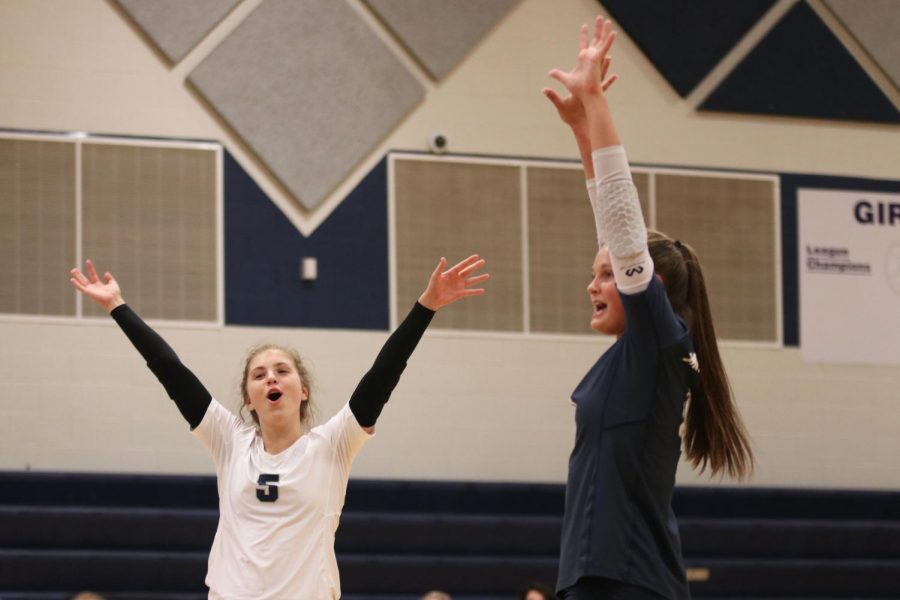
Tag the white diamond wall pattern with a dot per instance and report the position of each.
(176, 26)
(439, 33)
(876, 26)
(309, 88)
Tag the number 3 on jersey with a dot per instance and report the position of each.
(266, 490)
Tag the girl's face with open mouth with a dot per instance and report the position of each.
(608, 316)
(274, 388)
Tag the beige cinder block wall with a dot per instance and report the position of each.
(475, 407)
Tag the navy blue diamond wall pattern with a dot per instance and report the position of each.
(685, 39)
(800, 69)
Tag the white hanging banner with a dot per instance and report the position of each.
(849, 276)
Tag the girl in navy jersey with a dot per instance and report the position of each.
(620, 538)
(281, 484)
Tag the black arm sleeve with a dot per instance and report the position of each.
(182, 386)
(375, 387)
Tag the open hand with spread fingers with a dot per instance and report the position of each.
(570, 109)
(588, 76)
(446, 287)
(104, 292)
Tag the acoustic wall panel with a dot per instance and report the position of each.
(439, 33)
(876, 26)
(730, 223)
(37, 226)
(149, 217)
(454, 210)
(452, 207)
(685, 39)
(176, 26)
(309, 88)
(800, 69)
(562, 243)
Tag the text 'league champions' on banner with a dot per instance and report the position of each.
(849, 276)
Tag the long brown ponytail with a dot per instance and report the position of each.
(714, 435)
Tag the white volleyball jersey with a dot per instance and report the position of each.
(277, 513)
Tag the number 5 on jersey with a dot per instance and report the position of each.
(266, 490)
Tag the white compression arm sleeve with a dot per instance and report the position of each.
(593, 188)
(617, 212)
(614, 166)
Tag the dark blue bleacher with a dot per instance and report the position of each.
(147, 537)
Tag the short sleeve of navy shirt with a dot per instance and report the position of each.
(618, 520)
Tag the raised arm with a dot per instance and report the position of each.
(181, 384)
(572, 113)
(444, 287)
(617, 209)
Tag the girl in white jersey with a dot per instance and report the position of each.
(281, 484)
(620, 538)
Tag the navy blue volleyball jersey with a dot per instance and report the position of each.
(618, 519)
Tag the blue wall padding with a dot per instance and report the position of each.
(183, 492)
(263, 253)
(146, 537)
(790, 276)
(800, 69)
(685, 39)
